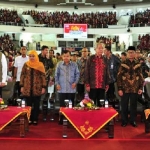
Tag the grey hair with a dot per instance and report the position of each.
(99, 43)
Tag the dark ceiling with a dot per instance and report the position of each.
(95, 2)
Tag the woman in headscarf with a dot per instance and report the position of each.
(33, 84)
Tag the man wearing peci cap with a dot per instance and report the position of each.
(130, 85)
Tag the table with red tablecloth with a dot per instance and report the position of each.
(89, 122)
(11, 114)
(147, 120)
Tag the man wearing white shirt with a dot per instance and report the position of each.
(3, 71)
(19, 62)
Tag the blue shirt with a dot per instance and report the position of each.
(66, 75)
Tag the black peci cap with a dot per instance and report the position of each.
(131, 48)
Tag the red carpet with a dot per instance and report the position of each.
(49, 134)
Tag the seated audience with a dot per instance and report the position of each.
(57, 19)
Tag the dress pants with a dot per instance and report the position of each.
(110, 92)
(18, 88)
(81, 91)
(133, 97)
(63, 96)
(34, 102)
(96, 95)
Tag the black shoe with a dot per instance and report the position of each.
(30, 122)
(60, 122)
(124, 124)
(35, 123)
(133, 124)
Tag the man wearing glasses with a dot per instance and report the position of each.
(97, 75)
(81, 65)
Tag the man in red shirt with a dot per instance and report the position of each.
(97, 74)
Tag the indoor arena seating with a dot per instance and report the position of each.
(57, 19)
(29, 22)
(140, 19)
(94, 20)
(10, 17)
(8, 47)
(144, 42)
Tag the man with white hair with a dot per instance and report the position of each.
(97, 74)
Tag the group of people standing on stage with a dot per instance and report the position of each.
(95, 74)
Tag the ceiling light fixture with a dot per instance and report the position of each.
(17, 0)
(134, 0)
(75, 2)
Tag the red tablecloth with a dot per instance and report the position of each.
(147, 112)
(11, 113)
(88, 122)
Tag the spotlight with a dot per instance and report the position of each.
(75, 7)
(128, 30)
(114, 6)
(23, 29)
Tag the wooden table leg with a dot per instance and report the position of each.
(22, 125)
(111, 129)
(26, 123)
(65, 125)
(147, 125)
(52, 110)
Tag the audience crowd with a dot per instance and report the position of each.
(108, 40)
(7, 47)
(144, 42)
(140, 19)
(9, 17)
(57, 19)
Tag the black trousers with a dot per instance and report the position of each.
(63, 96)
(133, 97)
(18, 88)
(111, 91)
(81, 91)
(96, 95)
(34, 102)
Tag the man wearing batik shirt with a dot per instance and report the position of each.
(97, 74)
(46, 60)
(81, 65)
(130, 85)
